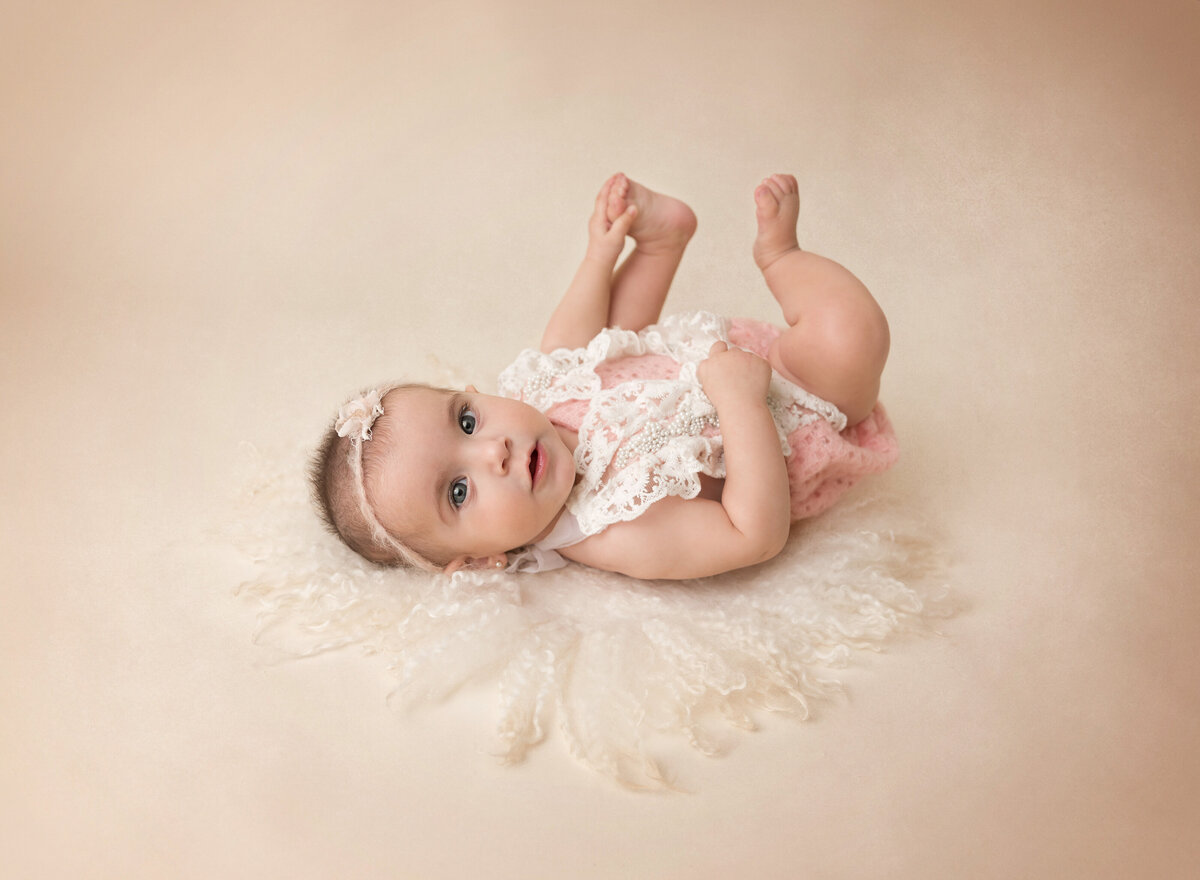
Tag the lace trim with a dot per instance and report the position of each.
(542, 379)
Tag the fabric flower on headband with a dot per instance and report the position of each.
(356, 417)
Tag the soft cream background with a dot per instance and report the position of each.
(216, 219)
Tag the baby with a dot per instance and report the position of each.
(678, 449)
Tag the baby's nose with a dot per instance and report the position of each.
(496, 453)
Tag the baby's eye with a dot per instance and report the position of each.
(458, 492)
(466, 420)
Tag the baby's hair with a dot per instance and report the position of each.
(338, 477)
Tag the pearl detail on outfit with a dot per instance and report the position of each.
(540, 381)
(655, 435)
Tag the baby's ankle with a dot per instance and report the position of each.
(663, 225)
(767, 257)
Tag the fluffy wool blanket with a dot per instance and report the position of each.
(608, 661)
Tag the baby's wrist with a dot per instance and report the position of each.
(600, 256)
(732, 400)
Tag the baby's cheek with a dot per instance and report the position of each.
(526, 525)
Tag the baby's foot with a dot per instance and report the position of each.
(662, 223)
(777, 207)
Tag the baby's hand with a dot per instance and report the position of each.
(606, 240)
(730, 373)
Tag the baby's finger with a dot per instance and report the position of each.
(620, 226)
(717, 348)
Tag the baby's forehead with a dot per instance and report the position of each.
(407, 442)
(423, 398)
(404, 395)
(413, 403)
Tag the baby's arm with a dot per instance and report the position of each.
(678, 538)
(583, 310)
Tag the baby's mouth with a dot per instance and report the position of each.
(535, 461)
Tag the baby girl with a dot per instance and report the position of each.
(678, 449)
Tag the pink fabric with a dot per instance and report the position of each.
(823, 465)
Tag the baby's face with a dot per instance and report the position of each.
(470, 474)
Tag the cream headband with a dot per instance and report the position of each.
(355, 420)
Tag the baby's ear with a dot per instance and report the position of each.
(496, 562)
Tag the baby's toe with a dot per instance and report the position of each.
(616, 197)
(785, 183)
(765, 202)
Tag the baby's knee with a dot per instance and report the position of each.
(839, 358)
(854, 336)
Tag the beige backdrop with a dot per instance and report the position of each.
(217, 219)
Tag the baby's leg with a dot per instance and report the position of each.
(837, 338)
(661, 230)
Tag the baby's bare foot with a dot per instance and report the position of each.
(662, 223)
(777, 207)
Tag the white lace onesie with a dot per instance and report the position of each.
(648, 430)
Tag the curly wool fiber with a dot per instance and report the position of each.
(609, 660)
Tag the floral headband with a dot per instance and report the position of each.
(355, 420)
